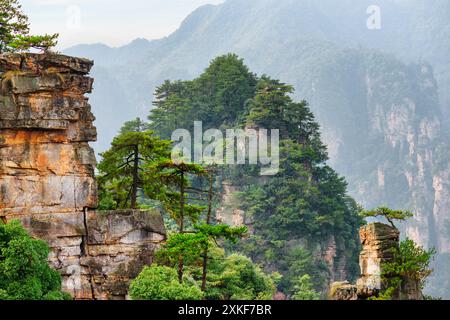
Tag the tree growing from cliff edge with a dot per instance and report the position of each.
(24, 271)
(389, 214)
(175, 191)
(409, 267)
(14, 30)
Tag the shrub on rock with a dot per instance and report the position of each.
(24, 270)
(161, 283)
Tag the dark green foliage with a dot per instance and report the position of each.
(307, 200)
(410, 263)
(236, 277)
(216, 98)
(221, 231)
(174, 187)
(14, 30)
(122, 174)
(161, 283)
(304, 289)
(24, 271)
(389, 214)
(306, 203)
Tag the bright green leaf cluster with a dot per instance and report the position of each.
(410, 263)
(389, 214)
(161, 283)
(236, 277)
(24, 270)
(304, 289)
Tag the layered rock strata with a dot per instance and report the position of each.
(47, 177)
(379, 242)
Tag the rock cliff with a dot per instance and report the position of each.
(47, 177)
(381, 121)
(328, 250)
(378, 242)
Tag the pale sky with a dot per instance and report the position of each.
(113, 22)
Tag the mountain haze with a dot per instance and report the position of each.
(381, 96)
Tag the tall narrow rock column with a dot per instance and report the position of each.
(46, 164)
(379, 243)
(47, 178)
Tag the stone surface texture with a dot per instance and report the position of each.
(47, 177)
(378, 242)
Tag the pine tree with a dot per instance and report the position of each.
(122, 169)
(14, 30)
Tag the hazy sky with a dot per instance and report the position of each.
(114, 22)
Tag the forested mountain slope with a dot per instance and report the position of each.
(302, 221)
(380, 96)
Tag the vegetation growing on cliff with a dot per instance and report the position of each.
(24, 270)
(296, 214)
(137, 164)
(302, 208)
(389, 214)
(14, 30)
(410, 265)
(122, 177)
(353, 91)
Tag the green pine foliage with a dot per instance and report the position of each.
(295, 212)
(410, 262)
(389, 214)
(304, 289)
(161, 283)
(122, 177)
(216, 98)
(236, 277)
(24, 271)
(175, 189)
(14, 30)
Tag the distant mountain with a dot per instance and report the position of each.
(381, 96)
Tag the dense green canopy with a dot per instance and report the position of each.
(24, 271)
(295, 213)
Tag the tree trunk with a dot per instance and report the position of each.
(135, 183)
(180, 261)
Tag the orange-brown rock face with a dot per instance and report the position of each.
(47, 178)
(379, 242)
(46, 164)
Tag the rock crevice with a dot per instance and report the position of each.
(47, 177)
(379, 242)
